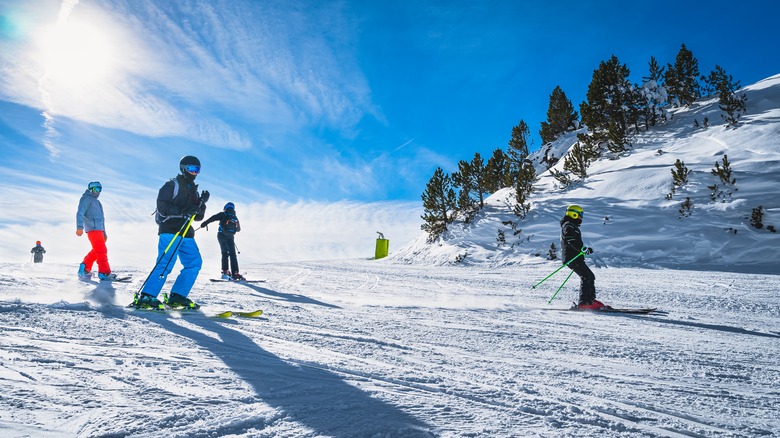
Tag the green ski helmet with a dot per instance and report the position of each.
(574, 212)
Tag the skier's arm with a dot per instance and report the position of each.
(572, 238)
(201, 210)
(81, 215)
(216, 217)
(165, 204)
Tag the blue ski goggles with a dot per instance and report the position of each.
(95, 187)
(191, 168)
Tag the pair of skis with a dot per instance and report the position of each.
(607, 309)
(221, 280)
(182, 311)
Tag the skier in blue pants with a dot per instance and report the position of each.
(189, 256)
(177, 202)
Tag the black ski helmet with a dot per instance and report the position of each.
(188, 160)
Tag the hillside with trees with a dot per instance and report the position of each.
(680, 141)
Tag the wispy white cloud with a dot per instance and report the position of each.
(228, 75)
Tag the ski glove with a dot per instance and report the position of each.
(587, 250)
(204, 196)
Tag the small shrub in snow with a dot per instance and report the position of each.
(757, 217)
(679, 177)
(501, 239)
(686, 209)
(724, 175)
(552, 254)
(563, 178)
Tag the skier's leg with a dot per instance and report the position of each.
(223, 247)
(587, 281)
(157, 278)
(190, 258)
(98, 240)
(233, 259)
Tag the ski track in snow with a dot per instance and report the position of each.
(370, 348)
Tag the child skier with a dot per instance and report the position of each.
(228, 227)
(571, 246)
(38, 252)
(178, 203)
(89, 218)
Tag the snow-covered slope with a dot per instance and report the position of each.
(628, 219)
(368, 348)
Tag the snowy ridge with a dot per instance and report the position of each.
(628, 219)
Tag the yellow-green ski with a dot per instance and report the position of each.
(254, 314)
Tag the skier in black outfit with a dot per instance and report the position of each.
(178, 203)
(38, 252)
(571, 246)
(228, 227)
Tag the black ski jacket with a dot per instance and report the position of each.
(222, 217)
(176, 211)
(571, 238)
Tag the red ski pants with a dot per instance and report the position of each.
(99, 252)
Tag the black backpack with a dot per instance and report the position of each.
(229, 224)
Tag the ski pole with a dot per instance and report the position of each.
(560, 287)
(556, 271)
(159, 259)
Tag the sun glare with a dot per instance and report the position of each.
(76, 53)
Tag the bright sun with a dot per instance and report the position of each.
(76, 53)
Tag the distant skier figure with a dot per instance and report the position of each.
(89, 218)
(228, 227)
(178, 204)
(571, 246)
(38, 252)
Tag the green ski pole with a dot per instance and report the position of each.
(556, 271)
(182, 231)
(560, 287)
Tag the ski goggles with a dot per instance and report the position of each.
(191, 168)
(95, 187)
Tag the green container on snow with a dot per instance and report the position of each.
(382, 247)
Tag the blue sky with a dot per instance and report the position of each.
(324, 101)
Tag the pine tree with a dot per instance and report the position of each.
(654, 95)
(473, 180)
(561, 116)
(519, 143)
(497, 169)
(580, 156)
(730, 102)
(609, 98)
(524, 186)
(681, 78)
(438, 205)
(517, 151)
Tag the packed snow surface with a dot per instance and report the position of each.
(369, 348)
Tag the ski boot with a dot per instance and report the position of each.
(177, 301)
(238, 277)
(83, 273)
(146, 301)
(225, 275)
(593, 305)
(106, 277)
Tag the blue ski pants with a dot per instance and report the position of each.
(189, 256)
